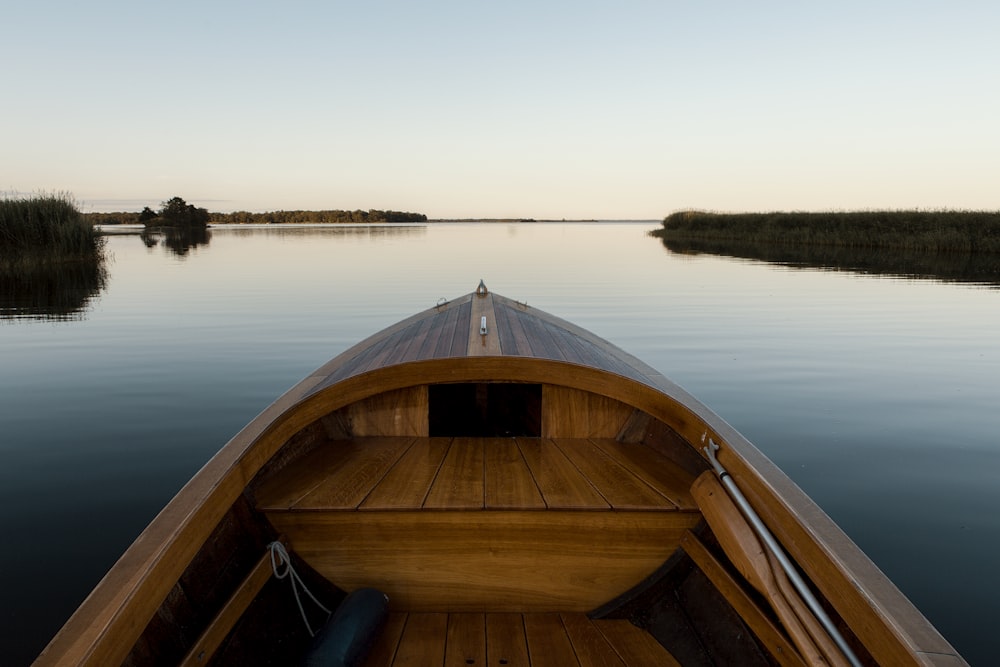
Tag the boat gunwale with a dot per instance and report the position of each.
(111, 619)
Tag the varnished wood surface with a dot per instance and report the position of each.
(108, 623)
(518, 640)
(497, 560)
(475, 473)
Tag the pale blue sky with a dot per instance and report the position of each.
(535, 109)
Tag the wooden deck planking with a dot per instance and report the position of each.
(548, 643)
(518, 640)
(423, 641)
(361, 468)
(480, 344)
(509, 484)
(408, 482)
(466, 640)
(562, 485)
(513, 341)
(658, 471)
(505, 642)
(590, 645)
(460, 481)
(402, 472)
(384, 650)
(634, 645)
(460, 337)
(619, 486)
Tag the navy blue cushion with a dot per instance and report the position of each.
(350, 634)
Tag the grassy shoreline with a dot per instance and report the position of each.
(924, 231)
(45, 229)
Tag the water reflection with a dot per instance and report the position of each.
(52, 292)
(178, 240)
(980, 268)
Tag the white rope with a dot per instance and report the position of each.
(279, 560)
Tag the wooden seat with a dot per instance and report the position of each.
(483, 524)
(394, 473)
(538, 640)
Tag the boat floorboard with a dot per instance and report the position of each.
(407, 473)
(538, 640)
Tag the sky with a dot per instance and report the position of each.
(576, 110)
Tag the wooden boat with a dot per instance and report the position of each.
(523, 492)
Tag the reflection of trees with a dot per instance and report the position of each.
(45, 290)
(953, 267)
(178, 240)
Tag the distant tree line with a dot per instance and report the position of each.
(148, 216)
(332, 216)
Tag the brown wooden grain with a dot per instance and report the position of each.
(618, 486)
(423, 640)
(634, 645)
(589, 644)
(384, 650)
(486, 560)
(466, 643)
(548, 643)
(407, 483)
(505, 641)
(459, 482)
(509, 484)
(561, 483)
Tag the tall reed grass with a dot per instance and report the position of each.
(925, 231)
(46, 228)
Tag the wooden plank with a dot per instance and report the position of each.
(466, 643)
(398, 412)
(561, 484)
(658, 471)
(384, 650)
(505, 640)
(459, 483)
(589, 644)
(479, 344)
(509, 484)
(548, 643)
(423, 640)
(407, 483)
(636, 647)
(301, 476)
(363, 465)
(515, 340)
(571, 413)
(487, 561)
(620, 488)
(210, 640)
(766, 630)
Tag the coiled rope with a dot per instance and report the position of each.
(281, 565)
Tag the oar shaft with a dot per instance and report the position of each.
(775, 548)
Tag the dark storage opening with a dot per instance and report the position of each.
(486, 410)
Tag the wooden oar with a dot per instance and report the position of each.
(812, 625)
(746, 553)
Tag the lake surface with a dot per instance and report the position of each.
(880, 396)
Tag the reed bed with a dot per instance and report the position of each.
(45, 229)
(923, 231)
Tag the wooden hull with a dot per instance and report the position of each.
(534, 469)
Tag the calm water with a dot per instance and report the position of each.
(879, 396)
